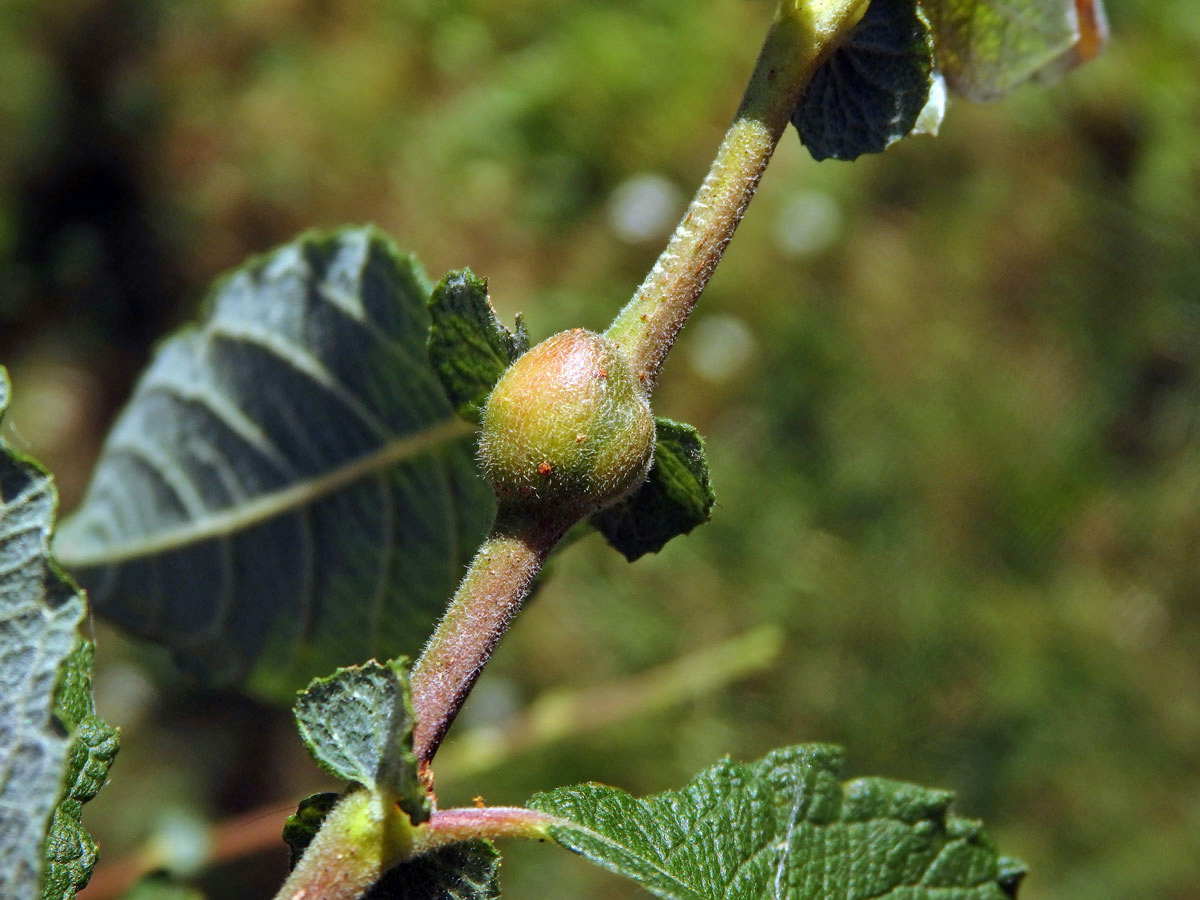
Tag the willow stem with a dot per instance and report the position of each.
(365, 835)
(481, 610)
(802, 36)
(362, 837)
(453, 826)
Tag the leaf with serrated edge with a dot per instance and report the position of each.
(40, 611)
(288, 489)
(871, 91)
(468, 346)
(987, 48)
(675, 498)
(70, 852)
(786, 828)
(358, 723)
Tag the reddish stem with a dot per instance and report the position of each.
(480, 612)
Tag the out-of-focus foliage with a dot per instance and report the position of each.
(949, 394)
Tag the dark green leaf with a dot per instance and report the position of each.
(871, 91)
(467, 871)
(302, 825)
(288, 489)
(784, 828)
(675, 499)
(358, 723)
(43, 679)
(986, 48)
(468, 345)
(70, 852)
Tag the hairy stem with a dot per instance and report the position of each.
(453, 826)
(804, 33)
(363, 836)
(480, 612)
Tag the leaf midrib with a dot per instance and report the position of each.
(685, 892)
(268, 506)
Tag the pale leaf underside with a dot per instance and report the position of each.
(358, 724)
(288, 489)
(39, 615)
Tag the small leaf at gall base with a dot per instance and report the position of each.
(784, 827)
(871, 91)
(468, 346)
(466, 871)
(358, 723)
(302, 825)
(675, 498)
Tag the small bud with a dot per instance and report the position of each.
(568, 425)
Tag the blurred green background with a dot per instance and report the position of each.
(951, 394)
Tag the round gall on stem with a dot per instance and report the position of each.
(568, 427)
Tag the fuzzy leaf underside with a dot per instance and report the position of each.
(675, 498)
(358, 723)
(785, 828)
(988, 48)
(288, 490)
(46, 769)
(469, 348)
(70, 852)
(871, 91)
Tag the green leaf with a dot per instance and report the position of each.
(675, 498)
(43, 679)
(70, 852)
(786, 828)
(288, 490)
(987, 48)
(358, 723)
(466, 871)
(302, 825)
(871, 91)
(468, 346)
